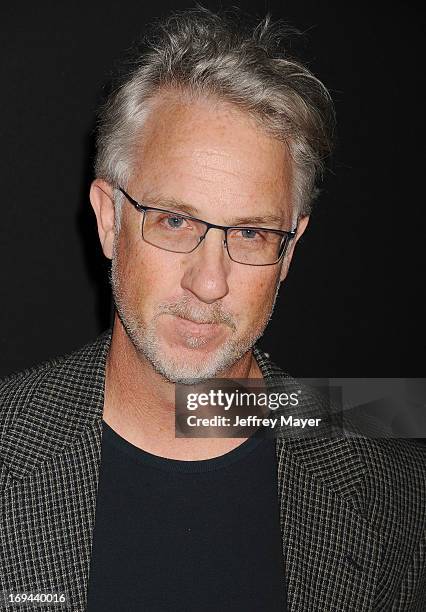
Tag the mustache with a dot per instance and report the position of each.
(186, 309)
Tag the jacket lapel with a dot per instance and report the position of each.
(53, 453)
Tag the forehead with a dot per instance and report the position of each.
(212, 156)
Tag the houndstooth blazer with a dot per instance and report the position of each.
(352, 509)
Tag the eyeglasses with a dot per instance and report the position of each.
(179, 233)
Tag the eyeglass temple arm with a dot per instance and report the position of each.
(132, 200)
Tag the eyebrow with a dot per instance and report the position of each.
(176, 205)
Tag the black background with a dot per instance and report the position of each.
(353, 304)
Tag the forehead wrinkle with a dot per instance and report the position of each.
(237, 167)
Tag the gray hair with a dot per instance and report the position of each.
(201, 53)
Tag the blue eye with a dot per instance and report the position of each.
(249, 233)
(174, 221)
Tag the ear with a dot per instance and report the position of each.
(102, 201)
(301, 226)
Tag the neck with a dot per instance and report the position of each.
(139, 403)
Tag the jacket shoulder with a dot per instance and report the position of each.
(399, 459)
(56, 375)
(393, 452)
(16, 390)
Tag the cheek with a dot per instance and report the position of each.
(149, 277)
(256, 294)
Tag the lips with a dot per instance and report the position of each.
(192, 327)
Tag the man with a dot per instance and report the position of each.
(208, 154)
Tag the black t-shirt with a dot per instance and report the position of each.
(186, 536)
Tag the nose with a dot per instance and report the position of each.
(207, 268)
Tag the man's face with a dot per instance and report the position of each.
(194, 315)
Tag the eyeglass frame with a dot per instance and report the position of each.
(290, 234)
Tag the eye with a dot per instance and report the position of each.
(172, 221)
(250, 233)
(247, 234)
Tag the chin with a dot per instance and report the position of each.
(189, 364)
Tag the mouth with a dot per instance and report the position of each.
(190, 327)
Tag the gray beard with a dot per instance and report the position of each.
(175, 370)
